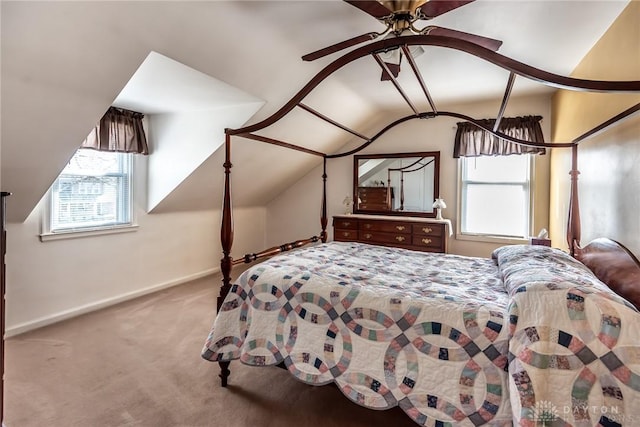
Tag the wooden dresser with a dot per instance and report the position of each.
(375, 198)
(419, 234)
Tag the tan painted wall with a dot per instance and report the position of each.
(609, 183)
(295, 213)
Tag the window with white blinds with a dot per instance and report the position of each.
(92, 192)
(495, 196)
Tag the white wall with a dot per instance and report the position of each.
(183, 141)
(53, 280)
(295, 213)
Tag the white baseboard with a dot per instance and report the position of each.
(77, 311)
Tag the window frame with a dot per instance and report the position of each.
(47, 233)
(488, 237)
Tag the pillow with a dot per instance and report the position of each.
(530, 268)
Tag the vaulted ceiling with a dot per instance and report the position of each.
(64, 64)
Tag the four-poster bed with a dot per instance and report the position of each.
(528, 336)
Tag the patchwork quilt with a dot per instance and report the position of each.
(574, 347)
(527, 337)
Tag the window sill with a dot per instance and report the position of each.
(492, 239)
(76, 234)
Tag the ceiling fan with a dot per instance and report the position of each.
(400, 17)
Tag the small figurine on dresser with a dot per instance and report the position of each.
(347, 202)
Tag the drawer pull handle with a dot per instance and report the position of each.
(400, 227)
(400, 238)
(426, 241)
(346, 224)
(427, 229)
(367, 236)
(346, 234)
(367, 226)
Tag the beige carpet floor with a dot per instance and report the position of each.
(138, 364)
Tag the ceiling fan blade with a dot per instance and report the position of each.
(491, 44)
(339, 46)
(434, 8)
(372, 7)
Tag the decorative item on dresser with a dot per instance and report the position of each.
(439, 204)
(347, 202)
(418, 234)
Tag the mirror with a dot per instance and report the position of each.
(396, 184)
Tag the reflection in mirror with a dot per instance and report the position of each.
(396, 184)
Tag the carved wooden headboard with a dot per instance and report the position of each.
(614, 265)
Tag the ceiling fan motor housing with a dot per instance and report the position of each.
(400, 22)
(404, 6)
(399, 17)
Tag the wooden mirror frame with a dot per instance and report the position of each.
(436, 182)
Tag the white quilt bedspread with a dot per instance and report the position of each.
(530, 337)
(574, 347)
(390, 327)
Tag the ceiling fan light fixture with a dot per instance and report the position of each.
(392, 56)
(416, 50)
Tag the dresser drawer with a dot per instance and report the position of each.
(369, 200)
(373, 206)
(363, 191)
(345, 235)
(345, 223)
(396, 239)
(428, 229)
(434, 242)
(386, 226)
(373, 198)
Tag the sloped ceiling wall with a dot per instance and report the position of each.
(187, 112)
(182, 142)
(64, 63)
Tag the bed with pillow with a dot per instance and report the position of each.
(528, 335)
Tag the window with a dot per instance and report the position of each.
(93, 192)
(495, 196)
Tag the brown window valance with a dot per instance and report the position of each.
(473, 141)
(118, 130)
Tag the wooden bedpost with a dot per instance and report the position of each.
(573, 225)
(226, 237)
(323, 217)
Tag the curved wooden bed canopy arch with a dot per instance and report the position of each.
(514, 67)
(374, 48)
